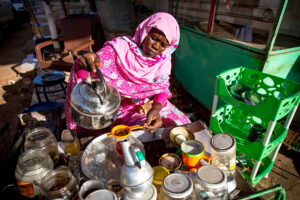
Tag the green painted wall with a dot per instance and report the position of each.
(284, 63)
(200, 57)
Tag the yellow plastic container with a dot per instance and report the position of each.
(160, 173)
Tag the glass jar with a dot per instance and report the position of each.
(177, 186)
(223, 150)
(59, 184)
(42, 138)
(210, 182)
(32, 166)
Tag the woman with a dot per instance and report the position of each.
(139, 68)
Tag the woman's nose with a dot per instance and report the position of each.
(156, 45)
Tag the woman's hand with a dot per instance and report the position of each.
(89, 62)
(153, 121)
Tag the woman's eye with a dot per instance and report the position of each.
(163, 45)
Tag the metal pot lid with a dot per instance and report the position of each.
(222, 142)
(93, 99)
(211, 177)
(177, 185)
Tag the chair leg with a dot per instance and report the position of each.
(63, 88)
(45, 93)
(37, 94)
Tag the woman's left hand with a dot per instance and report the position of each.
(153, 121)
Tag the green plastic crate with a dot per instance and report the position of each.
(280, 95)
(264, 169)
(238, 123)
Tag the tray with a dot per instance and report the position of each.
(111, 168)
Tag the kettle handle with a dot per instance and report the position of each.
(100, 75)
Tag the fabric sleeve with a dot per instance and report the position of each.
(161, 98)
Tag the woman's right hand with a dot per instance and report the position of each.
(89, 62)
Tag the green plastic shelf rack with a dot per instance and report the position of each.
(279, 98)
(281, 95)
(238, 123)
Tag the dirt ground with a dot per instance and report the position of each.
(16, 88)
(16, 91)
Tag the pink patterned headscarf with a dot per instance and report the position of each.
(136, 63)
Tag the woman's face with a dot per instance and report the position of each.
(154, 43)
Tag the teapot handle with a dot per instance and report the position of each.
(100, 75)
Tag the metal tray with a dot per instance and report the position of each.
(111, 167)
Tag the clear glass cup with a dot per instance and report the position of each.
(100, 153)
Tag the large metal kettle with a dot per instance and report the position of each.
(94, 103)
(137, 174)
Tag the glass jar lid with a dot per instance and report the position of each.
(211, 177)
(177, 185)
(222, 142)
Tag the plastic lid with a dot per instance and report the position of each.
(177, 185)
(150, 194)
(222, 141)
(159, 174)
(211, 177)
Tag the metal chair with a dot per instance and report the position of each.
(76, 37)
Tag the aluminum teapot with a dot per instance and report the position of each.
(94, 103)
(137, 174)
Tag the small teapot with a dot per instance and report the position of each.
(137, 174)
(94, 103)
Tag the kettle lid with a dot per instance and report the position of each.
(94, 98)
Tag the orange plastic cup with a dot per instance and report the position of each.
(192, 153)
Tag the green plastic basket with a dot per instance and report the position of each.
(265, 167)
(238, 123)
(280, 95)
